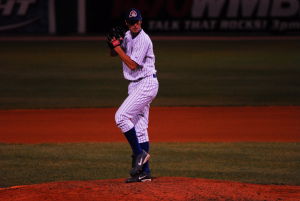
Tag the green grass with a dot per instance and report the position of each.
(191, 73)
(263, 163)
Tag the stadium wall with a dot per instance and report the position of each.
(160, 17)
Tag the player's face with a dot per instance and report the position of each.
(136, 27)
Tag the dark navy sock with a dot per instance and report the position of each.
(133, 141)
(145, 146)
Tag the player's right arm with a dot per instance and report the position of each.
(125, 58)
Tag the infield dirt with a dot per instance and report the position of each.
(167, 124)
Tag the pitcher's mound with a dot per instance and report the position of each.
(162, 188)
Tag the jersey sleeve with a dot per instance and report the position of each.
(139, 51)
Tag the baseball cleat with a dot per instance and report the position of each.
(143, 177)
(140, 160)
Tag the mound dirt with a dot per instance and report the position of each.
(163, 188)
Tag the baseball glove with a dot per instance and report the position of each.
(115, 37)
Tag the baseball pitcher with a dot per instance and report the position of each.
(135, 49)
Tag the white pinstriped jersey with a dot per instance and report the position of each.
(140, 50)
(134, 111)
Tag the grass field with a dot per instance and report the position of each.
(191, 73)
(263, 163)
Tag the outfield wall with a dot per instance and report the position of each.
(187, 17)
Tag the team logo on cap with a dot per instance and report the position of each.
(132, 14)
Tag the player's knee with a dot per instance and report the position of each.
(123, 122)
(118, 118)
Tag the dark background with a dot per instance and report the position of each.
(249, 18)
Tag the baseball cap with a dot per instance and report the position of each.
(133, 15)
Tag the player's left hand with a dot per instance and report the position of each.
(115, 37)
(112, 43)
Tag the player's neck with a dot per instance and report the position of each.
(133, 35)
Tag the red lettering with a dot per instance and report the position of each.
(121, 6)
(182, 11)
(153, 8)
(147, 7)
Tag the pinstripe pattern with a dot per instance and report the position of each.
(134, 111)
(140, 50)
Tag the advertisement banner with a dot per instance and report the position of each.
(202, 16)
(24, 17)
(194, 17)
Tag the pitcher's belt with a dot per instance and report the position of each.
(154, 75)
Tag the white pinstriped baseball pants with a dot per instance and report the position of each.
(134, 111)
